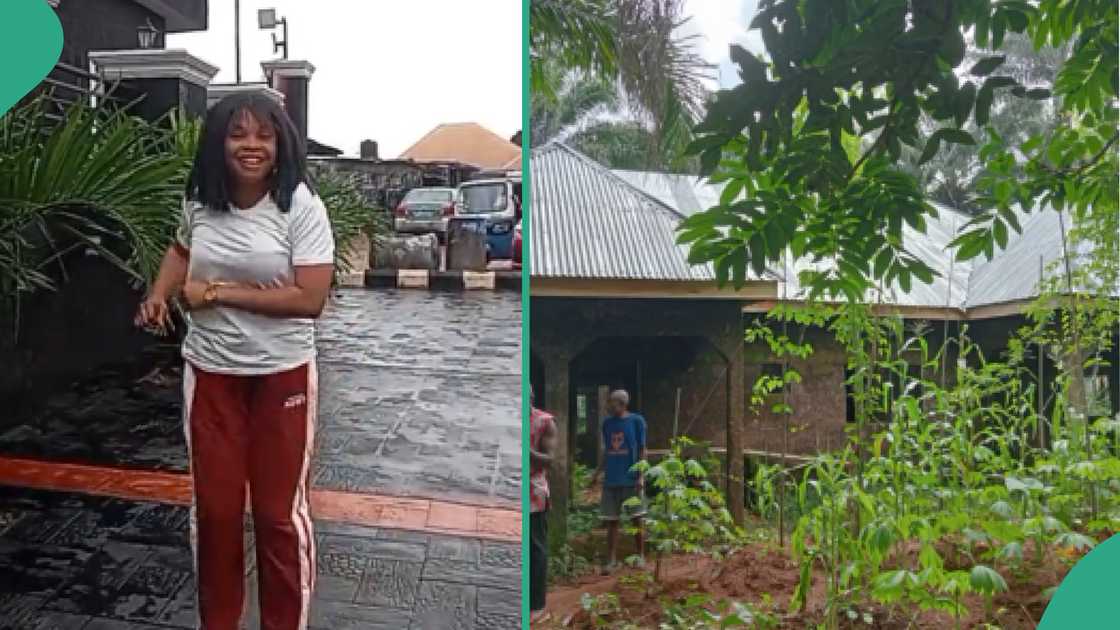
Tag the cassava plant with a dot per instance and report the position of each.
(687, 513)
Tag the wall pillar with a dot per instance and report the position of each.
(164, 79)
(736, 429)
(217, 91)
(293, 79)
(557, 397)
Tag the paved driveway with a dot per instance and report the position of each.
(420, 397)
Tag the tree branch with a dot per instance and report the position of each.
(1100, 154)
(878, 141)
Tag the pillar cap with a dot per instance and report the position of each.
(217, 91)
(163, 63)
(288, 68)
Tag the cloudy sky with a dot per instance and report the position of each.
(388, 71)
(719, 23)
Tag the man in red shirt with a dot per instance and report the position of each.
(542, 434)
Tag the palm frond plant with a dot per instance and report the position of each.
(635, 46)
(98, 180)
(351, 214)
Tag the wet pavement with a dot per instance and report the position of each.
(70, 561)
(419, 436)
(419, 397)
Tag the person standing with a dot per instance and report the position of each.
(624, 444)
(542, 435)
(253, 262)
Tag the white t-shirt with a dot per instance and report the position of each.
(258, 245)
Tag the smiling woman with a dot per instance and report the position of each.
(254, 257)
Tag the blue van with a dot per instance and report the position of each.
(498, 199)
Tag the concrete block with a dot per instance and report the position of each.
(412, 278)
(478, 280)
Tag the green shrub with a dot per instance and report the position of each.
(687, 513)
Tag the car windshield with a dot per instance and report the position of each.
(428, 195)
(483, 198)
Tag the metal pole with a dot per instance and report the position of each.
(1041, 349)
(284, 22)
(237, 37)
(677, 414)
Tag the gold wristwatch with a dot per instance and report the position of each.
(210, 295)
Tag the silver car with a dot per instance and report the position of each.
(425, 211)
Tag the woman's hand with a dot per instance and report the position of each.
(194, 294)
(154, 315)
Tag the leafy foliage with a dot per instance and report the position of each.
(688, 513)
(944, 469)
(351, 214)
(874, 71)
(570, 35)
(699, 612)
(99, 179)
(629, 44)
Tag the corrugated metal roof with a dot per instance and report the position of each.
(1012, 274)
(687, 194)
(589, 223)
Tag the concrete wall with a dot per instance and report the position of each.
(100, 25)
(383, 183)
(68, 333)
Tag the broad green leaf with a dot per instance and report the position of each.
(986, 580)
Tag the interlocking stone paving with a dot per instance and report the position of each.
(125, 579)
(419, 396)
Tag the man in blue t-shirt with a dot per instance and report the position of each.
(624, 444)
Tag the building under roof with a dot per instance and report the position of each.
(615, 303)
(468, 143)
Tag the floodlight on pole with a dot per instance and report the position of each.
(267, 21)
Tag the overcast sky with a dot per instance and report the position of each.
(719, 23)
(388, 71)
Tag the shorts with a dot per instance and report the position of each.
(611, 507)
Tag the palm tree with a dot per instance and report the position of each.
(631, 44)
(579, 99)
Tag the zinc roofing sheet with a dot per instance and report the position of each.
(591, 222)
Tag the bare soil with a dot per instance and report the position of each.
(762, 571)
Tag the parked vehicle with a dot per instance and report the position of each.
(517, 246)
(425, 211)
(499, 200)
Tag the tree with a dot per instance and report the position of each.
(577, 102)
(950, 176)
(872, 70)
(584, 114)
(632, 45)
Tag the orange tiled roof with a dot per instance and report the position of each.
(469, 143)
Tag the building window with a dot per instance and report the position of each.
(772, 371)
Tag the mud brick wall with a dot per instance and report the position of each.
(819, 401)
(566, 331)
(701, 373)
(657, 367)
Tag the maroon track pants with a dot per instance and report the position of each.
(257, 430)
